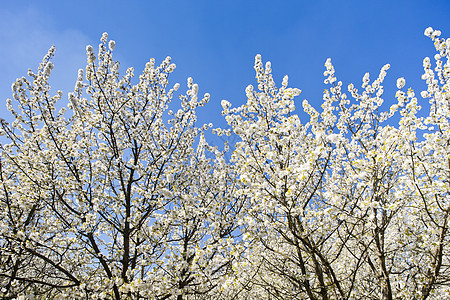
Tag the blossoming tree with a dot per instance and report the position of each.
(116, 199)
(345, 205)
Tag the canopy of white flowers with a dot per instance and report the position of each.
(111, 194)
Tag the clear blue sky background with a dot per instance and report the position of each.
(215, 41)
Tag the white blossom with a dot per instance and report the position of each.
(401, 83)
(111, 45)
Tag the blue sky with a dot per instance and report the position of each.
(215, 41)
